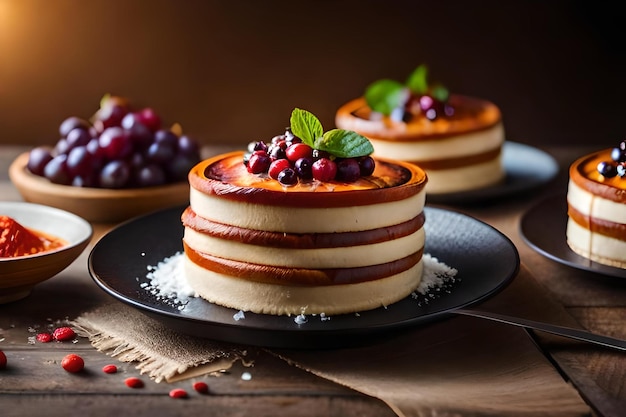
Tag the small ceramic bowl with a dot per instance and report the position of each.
(97, 205)
(18, 275)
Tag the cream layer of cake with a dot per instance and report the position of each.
(274, 299)
(459, 153)
(596, 226)
(254, 245)
(355, 251)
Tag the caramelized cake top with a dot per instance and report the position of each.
(470, 115)
(226, 176)
(584, 172)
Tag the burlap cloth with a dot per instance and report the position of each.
(459, 366)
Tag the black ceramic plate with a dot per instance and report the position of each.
(543, 228)
(486, 260)
(526, 168)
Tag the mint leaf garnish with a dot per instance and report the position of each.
(306, 126)
(344, 144)
(385, 95)
(440, 93)
(418, 81)
(337, 142)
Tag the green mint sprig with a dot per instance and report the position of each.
(418, 80)
(383, 96)
(337, 142)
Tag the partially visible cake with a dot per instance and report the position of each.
(596, 199)
(255, 243)
(456, 139)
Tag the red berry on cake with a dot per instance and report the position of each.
(259, 162)
(324, 170)
(277, 166)
(298, 150)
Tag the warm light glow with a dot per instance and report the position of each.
(6, 20)
(4, 10)
(14, 34)
(14, 31)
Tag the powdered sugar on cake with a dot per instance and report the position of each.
(167, 282)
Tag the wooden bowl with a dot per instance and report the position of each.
(97, 205)
(18, 275)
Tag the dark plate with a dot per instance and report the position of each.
(526, 168)
(118, 264)
(543, 228)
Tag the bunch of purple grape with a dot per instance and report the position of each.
(617, 165)
(118, 148)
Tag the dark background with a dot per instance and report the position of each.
(231, 71)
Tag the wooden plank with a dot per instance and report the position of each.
(38, 369)
(21, 405)
(34, 381)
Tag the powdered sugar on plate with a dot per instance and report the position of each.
(167, 283)
(438, 279)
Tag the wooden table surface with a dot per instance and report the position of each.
(30, 387)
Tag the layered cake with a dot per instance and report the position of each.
(456, 139)
(596, 199)
(256, 240)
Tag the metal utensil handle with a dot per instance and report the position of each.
(569, 332)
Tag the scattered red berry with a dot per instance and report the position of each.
(44, 337)
(109, 369)
(201, 387)
(133, 382)
(63, 333)
(178, 393)
(73, 363)
(3, 360)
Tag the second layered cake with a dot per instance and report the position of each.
(456, 139)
